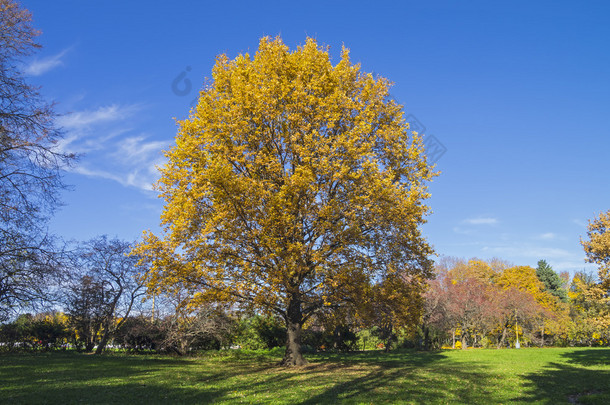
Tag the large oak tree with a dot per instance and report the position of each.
(294, 186)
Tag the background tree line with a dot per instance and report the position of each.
(472, 303)
(488, 304)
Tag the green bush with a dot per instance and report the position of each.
(368, 340)
(43, 331)
(340, 339)
(260, 332)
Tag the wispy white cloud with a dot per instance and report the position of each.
(462, 231)
(84, 119)
(573, 265)
(98, 173)
(547, 236)
(90, 130)
(41, 66)
(579, 222)
(111, 149)
(481, 221)
(138, 149)
(132, 178)
(529, 252)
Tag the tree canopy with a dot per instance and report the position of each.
(551, 280)
(486, 302)
(597, 247)
(294, 186)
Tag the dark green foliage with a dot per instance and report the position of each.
(39, 332)
(270, 330)
(551, 280)
(313, 340)
(49, 333)
(367, 340)
(9, 335)
(138, 333)
(261, 332)
(343, 338)
(340, 339)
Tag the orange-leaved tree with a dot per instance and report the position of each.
(293, 186)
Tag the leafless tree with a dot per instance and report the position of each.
(202, 329)
(86, 308)
(106, 264)
(31, 272)
(31, 164)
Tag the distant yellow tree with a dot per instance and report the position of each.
(597, 247)
(591, 305)
(555, 316)
(524, 278)
(294, 186)
(474, 269)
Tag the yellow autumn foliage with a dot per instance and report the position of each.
(597, 247)
(292, 186)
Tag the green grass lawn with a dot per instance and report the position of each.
(546, 376)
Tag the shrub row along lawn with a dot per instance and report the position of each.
(546, 376)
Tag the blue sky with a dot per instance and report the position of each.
(516, 94)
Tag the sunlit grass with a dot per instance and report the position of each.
(546, 376)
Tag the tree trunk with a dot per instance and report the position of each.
(464, 342)
(501, 342)
(102, 344)
(294, 322)
(109, 319)
(89, 344)
(426, 338)
(388, 343)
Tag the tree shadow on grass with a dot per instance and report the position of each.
(589, 357)
(583, 378)
(416, 377)
(77, 378)
(413, 377)
(397, 357)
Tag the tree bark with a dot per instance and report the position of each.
(388, 342)
(110, 319)
(90, 344)
(294, 322)
(426, 338)
(464, 342)
(503, 338)
(103, 341)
